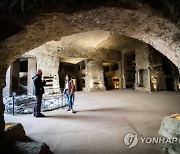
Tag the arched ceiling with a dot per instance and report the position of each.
(143, 24)
(99, 44)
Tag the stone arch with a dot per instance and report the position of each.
(143, 24)
(147, 27)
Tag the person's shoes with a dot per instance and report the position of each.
(73, 111)
(40, 115)
(68, 110)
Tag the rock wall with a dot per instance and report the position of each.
(2, 108)
(168, 7)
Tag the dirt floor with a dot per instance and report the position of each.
(101, 122)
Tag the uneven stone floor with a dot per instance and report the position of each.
(102, 120)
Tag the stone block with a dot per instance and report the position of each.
(170, 127)
(14, 132)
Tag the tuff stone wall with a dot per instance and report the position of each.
(168, 7)
(2, 122)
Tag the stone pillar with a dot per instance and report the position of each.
(31, 72)
(178, 80)
(94, 77)
(143, 82)
(15, 69)
(7, 91)
(50, 67)
(119, 74)
(2, 107)
(12, 78)
(2, 122)
(178, 83)
(3, 71)
(122, 76)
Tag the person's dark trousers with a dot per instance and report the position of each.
(37, 105)
(73, 98)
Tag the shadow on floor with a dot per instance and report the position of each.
(101, 110)
(71, 116)
(129, 109)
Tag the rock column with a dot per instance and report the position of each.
(2, 107)
(7, 91)
(122, 76)
(50, 67)
(94, 75)
(12, 78)
(31, 72)
(15, 69)
(142, 82)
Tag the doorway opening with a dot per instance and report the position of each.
(111, 75)
(130, 71)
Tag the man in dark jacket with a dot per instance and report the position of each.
(38, 91)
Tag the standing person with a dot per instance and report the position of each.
(69, 92)
(38, 91)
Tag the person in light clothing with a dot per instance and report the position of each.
(69, 92)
